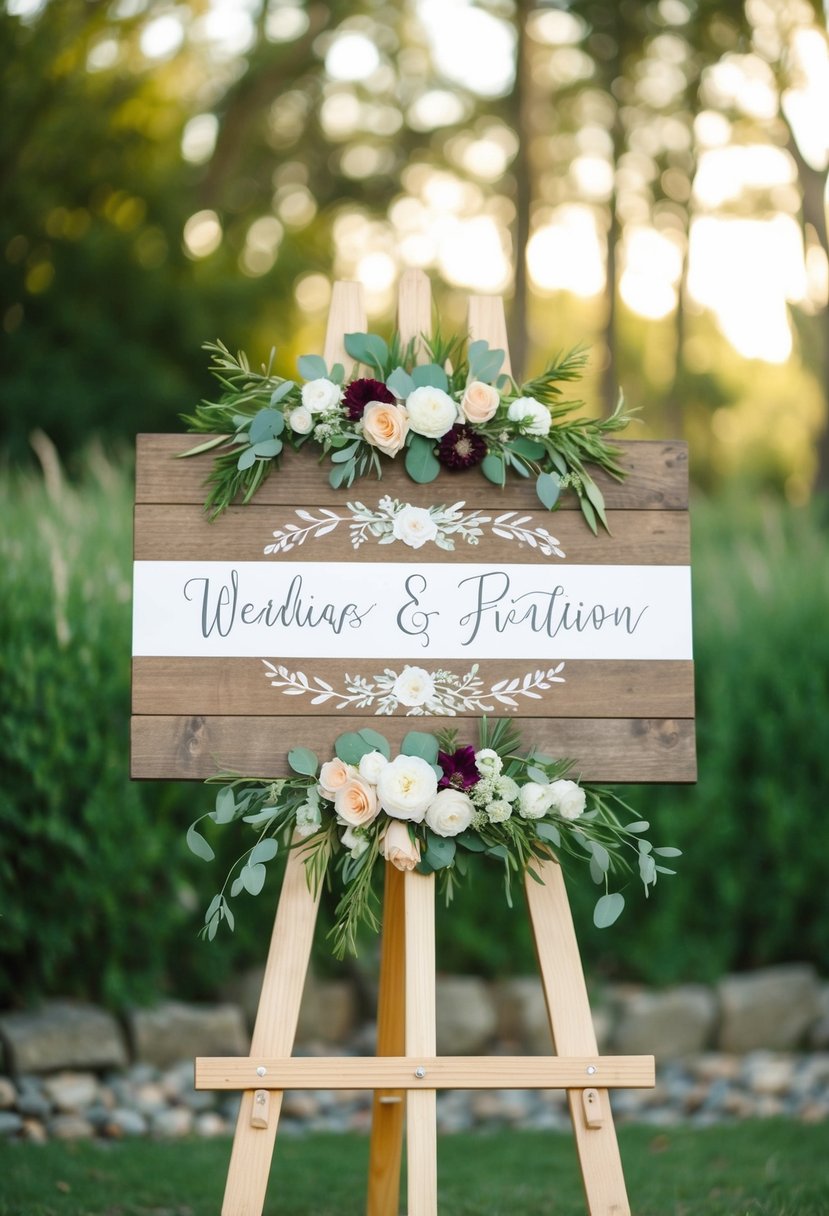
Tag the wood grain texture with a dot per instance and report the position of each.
(603, 749)
(487, 320)
(571, 1024)
(440, 1072)
(176, 532)
(273, 1036)
(388, 1108)
(657, 479)
(347, 315)
(421, 1038)
(414, 311)
(592, 688)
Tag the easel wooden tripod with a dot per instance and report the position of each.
(406, 1063)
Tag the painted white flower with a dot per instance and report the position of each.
(413, 687)
(406, 787)
(355, 842)
(431, 411)
(533, 800)
(371, 766)
(449, 812)
(301, 420)
(534, 417)
(321, 395)
(498, 811)
(488, 762)
(414, 526)
(567, 798)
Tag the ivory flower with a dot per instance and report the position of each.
(449, 812)
(488, 762)
(531, 414)
(354, 842)
(414, 526)
(397, 846)
(333, 776)
(356, 802)
(371, 766)
(301, 420)
(480, 402)
(431, 411)
(533, 800)
(406, 787)
(321, 395)
(567, 798)
(385, 426)
(413, 687)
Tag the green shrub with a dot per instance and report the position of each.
(100, 898)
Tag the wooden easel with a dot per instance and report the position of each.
(406, 1072)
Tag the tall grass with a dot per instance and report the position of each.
(99, 897)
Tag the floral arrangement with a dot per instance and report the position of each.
(454, 412)
(432, 808)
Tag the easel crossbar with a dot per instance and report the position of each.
(428, 1072)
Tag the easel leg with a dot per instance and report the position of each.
(388, 1109)
(273, 1035)
(421, 1041)
(573, 1035)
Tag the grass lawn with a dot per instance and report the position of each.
(769, 1168)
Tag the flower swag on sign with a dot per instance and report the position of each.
(456, 412)
(433, 807)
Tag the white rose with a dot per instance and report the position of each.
(498, 811)
(406, 787)
(534, 416)
(321, 395)
(488, 762)
(301, 420)
(356, 844)
(371, 766)
(449, 812)
(567, 798)
(413, 687)
(533, 800)
(414, 526)
(431, 411)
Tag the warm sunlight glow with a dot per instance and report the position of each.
(653, 265)
(565, 254)
(162, 37)
(471, 255)
(352, 56)
(456, 29)
(202, 234)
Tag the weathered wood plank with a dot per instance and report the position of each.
(657, 478)
(173, 532)
(591, 688)
(603, 749)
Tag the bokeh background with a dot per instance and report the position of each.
(650, 179)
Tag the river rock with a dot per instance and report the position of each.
(328, 1012)
(819, 1033)
(175, 1031)
(522, 1016)
(466, 1019)
(172, 1124)
(123, 1123)
(772, 1008)
(61, 1035)
(8, 1093)
(10, 1123)
(71, 1091)
(671, 1024)
(70, 1127)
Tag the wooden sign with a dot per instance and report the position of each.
(289, 620)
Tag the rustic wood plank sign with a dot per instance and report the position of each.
(316, 611)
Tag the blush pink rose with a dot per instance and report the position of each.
(480, 402)
(356, 802)
(385, 426)
(333, 776)
(398, 847)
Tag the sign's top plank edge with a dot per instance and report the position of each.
(657, 479)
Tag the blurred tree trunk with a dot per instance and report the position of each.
(521, 118)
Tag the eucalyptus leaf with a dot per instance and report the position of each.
(549, 831)
(596, 872)
(494, 469)
(472, 842)
(530, 448)
(400, 383)
(267, 448)
(351, 747)
(337, 373)
(667, 851)
(356, 346)
(418, 743)
(197, 844)
(537, 775)
(440, 851)
(302, 760)
(237, 886)
(213, 908)
(253, 878)
(376, 741)
(548, 489)
(312, 367)
(589, 514)
(225, 805)
(344, 454)
(267, 424)
(421, 463)
(430, 375)
(338, 475)
(639, 825)
(378, 351)
(262, 851)
(246, 459)
(228, 915)
(601, 856)
(608, 909)
(212, 928)
(281, 391)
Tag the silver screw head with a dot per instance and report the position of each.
(260, 1098)
(591, 1070)
(420, 1072)
(261, 1070)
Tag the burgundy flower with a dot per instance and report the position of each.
(360, 392)
(461, 448)
(459, 770)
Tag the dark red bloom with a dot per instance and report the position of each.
(459, 770)
(360, 392)
(461, 448)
